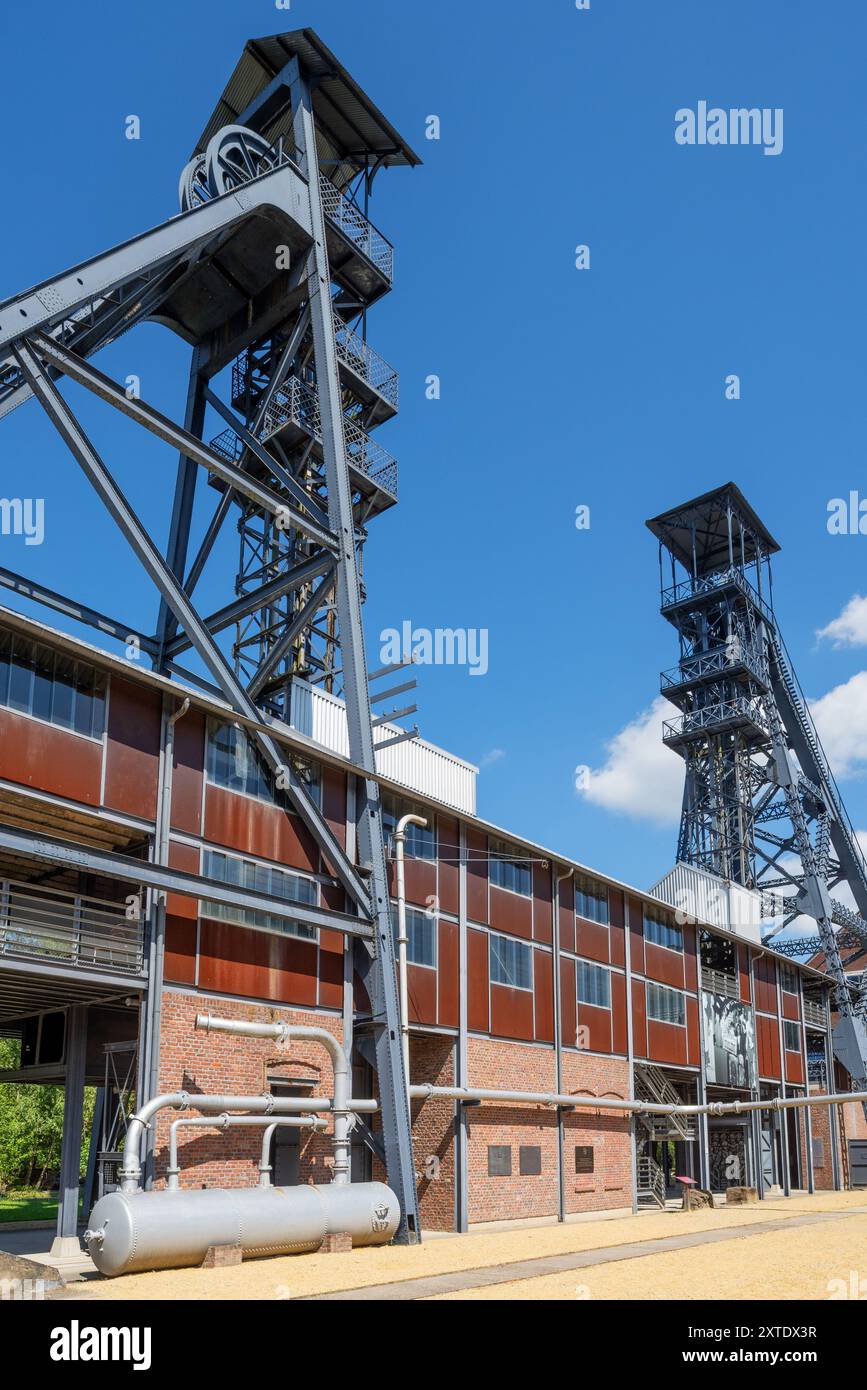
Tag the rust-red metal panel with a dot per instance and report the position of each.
(188, 773)
(477, 981)
(180, 958)
(511, 1012)
(566, 914)
(253, 827)
(543, 909)
(449, 967)
(794, 1068)
(663, 965)
(591, 940)
(766, 984)
(132, 749)
(768, 1038)
(421, 882)
(334, 802)
(334, 896)
(477, 877)
(791, 1006)
(568, 1002)
(635, 920)
(690, 957)
(639, 1018)
(448, 854)
(422, 989)
(331, 969)
(511, 913)
(619, 1026)
(595, 1027)
(693, 1040)
(666, 1043)
(258, 965)
(543, 987)
(38, 755)
(617, 929)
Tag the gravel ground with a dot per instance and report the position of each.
(295, 1277)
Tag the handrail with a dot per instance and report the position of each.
(57, 924)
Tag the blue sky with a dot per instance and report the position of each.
(559, 387)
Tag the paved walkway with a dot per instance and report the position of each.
(411, 1289)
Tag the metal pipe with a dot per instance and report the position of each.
(284, 1032)
(402, 938)
(736, 1107)
(226, 1121)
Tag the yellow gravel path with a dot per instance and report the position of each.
(301, 1275)
(810, 1263)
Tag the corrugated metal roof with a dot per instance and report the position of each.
(350, 129)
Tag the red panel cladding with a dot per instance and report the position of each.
(667, 1042)
(664, 965)
(639, 1019)
(635, 919)
(257, 965)
(254, 827)
(38, 755)
(744, 972)
(543, 988)
(180, 960)
(333, 896)
(511, 913)
(449, 965)
(768, 1038)
(619, 1033)
(568, 1002)
(187, 858)
(566, 913)
(512, 1012)
(690, 957)
(132, 749)
(477, 877)
(477, 982)
(617, 928)
(766, 984)
(594, 1028)
(543, 910)
(422, 989)
(791, 1006)
(794, 1068)
(188, 773)
(331, 969)
(334, 802)
(591, 940)
(420, 878)
(693, 1041)
(448, 854)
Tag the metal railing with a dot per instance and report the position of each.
(709, 584)
(355, 227)
(719, 662)
(722, 712)
(651, 1181)
(718, 982)
(297, 402)
(360, 357)
(53, 925)
(815, 1014)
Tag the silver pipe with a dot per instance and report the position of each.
(736, 1107)
(291, 1122)
(225, 1121)
(402, 938)
(284, 1032)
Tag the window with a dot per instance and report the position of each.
(661, 932)
(791, 1036)
(718, 953)
(591, 900)
(235, 762)
(421, 931)
(260, 878)
(420, 841)
(509, 871)
(530, 1160)
(499, 1161)
(789, 979)
(594, 985)
(665, 1005)
(511, 962)
(49, 685)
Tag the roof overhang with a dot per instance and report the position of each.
(707, 519)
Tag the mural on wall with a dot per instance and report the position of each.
(729, 1042)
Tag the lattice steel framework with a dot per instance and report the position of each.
(760, 804)
(269, 271)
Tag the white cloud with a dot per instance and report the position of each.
(640, 777)
(850, 628)
(841, 718)
(494, 756)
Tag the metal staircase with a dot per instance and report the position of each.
(652, 1084)
(651, 1183)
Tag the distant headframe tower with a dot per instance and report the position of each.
(761, 808)
(268, 273)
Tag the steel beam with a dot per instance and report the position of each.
(49, 598)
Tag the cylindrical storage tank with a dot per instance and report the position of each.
(134, 1231)
(369, 1211)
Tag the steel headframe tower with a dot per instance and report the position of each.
(268, 273)
(760, 804)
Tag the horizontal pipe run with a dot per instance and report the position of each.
(226, 1121)
(566, 1101)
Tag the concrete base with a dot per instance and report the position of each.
(66, 1248)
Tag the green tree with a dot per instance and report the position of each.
(31, 1126)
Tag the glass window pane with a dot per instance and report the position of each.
(21, 676)
(63, 694)
(42, 682)
(5, 658)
